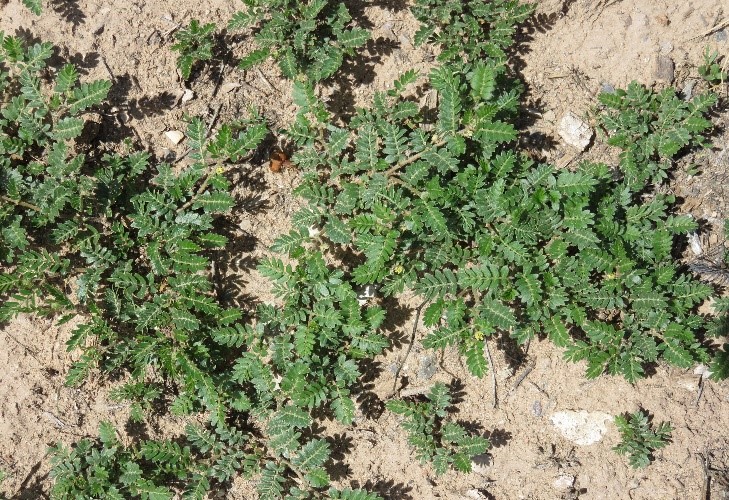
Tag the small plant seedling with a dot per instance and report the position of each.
(435, 438)
(712, 70)
(639, 439)
(194, 44)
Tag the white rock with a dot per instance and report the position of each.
(188, 95)
(581, 427)
(473, 495)
(695, 244)
(574, 131)
(702, 370)
(174, 136)
(564, 482)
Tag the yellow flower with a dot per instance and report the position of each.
(399, 269)
(219, 170)
(478, 335)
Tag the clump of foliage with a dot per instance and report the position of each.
(444, 443)
(639, 439)
(501, 245)
(132, 244)
(127, 246)
(714, 268)
(437, 201)
(652, 129)
(470, 28)
(106, 468)
(314, 342)
(194, 43)
(306, 38)
(712, 71)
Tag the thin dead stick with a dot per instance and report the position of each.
(27, 349)
(56, 421)
(219, 80)
(108, 69)
(521, 378)
(493, 372)
(216, 114)
(410, 347)
(705, 484)
(716, 27)
(265, 80)
(701, 390)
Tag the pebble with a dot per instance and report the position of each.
(664, 69)
(187, 95)
(564, 482)
(607, 88)
(688, 382)
(537, 408)
(721, 36)
(688, 89)
(665, 47)
(702, 370)
(174, 136)
(695, 244)
(581, 427)
(428, 367)
(574, 131)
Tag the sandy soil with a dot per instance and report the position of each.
(570, 50)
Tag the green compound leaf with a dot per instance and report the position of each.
(35, 6)
(88, 94)
(67, 128)
(215, 202)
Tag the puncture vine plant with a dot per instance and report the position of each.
(440, 202)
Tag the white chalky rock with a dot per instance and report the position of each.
(703, 371)
(695, 244)
(574, 131)
(581, 427)
(174, 136)
(564, 482)
(188, 95)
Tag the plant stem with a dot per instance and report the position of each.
(201, 189)
(21, 203)
(414, 158)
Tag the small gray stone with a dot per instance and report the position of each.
(688, 89)
(428, 367)
(607, 88)
(537, 408)
(664, 69)
(721, 36)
